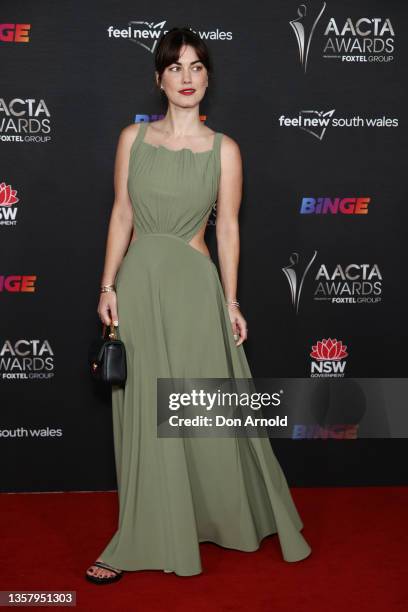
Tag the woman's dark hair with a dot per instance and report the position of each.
(168, 49)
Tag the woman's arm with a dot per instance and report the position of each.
(227, 228)
(120, 225)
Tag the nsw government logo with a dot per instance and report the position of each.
(8, 212)
(328, 359)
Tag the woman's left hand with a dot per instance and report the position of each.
(239, 325)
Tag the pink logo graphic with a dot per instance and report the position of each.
(7, 195)
(329, 350)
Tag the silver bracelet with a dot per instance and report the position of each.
(107, 288)
(232, 303)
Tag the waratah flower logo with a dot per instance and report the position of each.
(329, 350)
(7, 195)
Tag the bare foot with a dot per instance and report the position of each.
(99, 572)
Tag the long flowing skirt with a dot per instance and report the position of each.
(177, 492)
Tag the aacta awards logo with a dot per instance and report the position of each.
(328, 359)
(26, 360)
(349, 284)
(8, 212)
(357, 40)
(339, 284)
(147, 33)
(24, 120)
(296, 273)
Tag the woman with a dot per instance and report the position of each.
(177, 320)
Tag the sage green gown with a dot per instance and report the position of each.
(177, 492)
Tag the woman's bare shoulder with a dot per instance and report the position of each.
(129, 133)
(229, 146)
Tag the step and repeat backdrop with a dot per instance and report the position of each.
(315, 95)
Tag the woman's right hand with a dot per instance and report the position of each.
(107, 308)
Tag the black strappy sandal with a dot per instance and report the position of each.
(99, 580)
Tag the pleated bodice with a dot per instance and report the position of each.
(172, 191)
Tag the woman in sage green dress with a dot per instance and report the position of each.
(177, 320)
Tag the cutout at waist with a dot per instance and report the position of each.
(170, 235)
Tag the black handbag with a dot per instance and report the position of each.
(107, 358)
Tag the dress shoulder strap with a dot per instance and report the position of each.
(217, 150)
(217, 142)
(140, 135)
(141, 131)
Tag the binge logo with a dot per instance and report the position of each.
(331, 432)
(17, 284)
(8, 212)
(143, 118)
(328, 359)
(26, 359)
(15, 32)
(333, 206)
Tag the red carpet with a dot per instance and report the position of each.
(359, 558)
